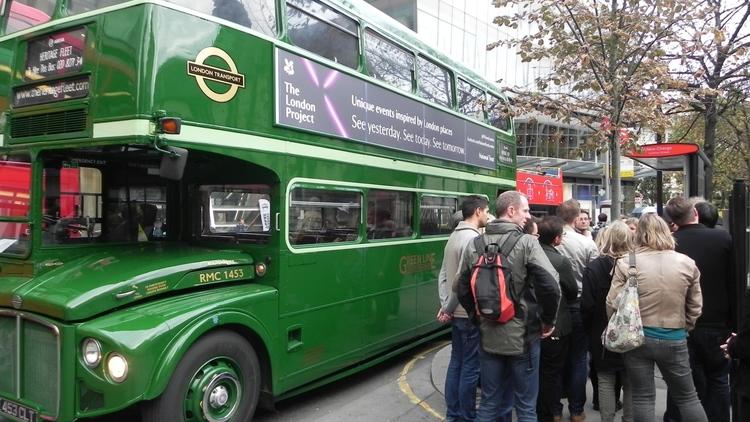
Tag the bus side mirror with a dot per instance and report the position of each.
(173, 163)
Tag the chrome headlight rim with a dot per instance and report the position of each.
(125, 368)
(85, 344)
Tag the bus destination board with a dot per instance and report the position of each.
(314, 97)
(55, 54)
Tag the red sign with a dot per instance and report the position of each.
(15, 186)
(663, 150)
(540, 189)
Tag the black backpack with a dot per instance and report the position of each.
(486, 290)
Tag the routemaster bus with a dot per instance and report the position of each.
(210, 205)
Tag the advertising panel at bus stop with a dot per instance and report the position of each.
(540, 189)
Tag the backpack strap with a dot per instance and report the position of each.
(510, 243)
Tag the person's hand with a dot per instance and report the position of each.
(725, 347)
(443, 316)
(547, 330)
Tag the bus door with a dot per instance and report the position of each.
(321, 289)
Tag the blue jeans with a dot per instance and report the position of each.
(576, 371)
(674, 364)
(501, 375)
(710, 374)
(463, 372)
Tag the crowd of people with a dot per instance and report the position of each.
(565, 279)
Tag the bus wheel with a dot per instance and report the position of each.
(218, 380)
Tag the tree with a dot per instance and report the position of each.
(711, 55)
(732, 136)
(606, 64)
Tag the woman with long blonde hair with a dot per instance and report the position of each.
(670, 302)
(614, 242)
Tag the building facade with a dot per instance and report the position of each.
(462, 29)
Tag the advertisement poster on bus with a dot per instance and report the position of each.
(540, 189)
(314, 97)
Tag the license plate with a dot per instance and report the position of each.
(17, 411)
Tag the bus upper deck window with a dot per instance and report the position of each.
(27, 13)
(498, 112)
(388, 62)
(80, 6)
(434, 82)
(322, 30)
(471, 100)
(259, 15)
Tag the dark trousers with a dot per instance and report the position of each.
(710, 374)
(551, 365)
(577, 365)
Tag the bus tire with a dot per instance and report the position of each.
(218, 380)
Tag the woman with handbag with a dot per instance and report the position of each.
(614, 242)
(669, 300)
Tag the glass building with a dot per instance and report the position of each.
(462, 29)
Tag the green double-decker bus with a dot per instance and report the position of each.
(206, 205)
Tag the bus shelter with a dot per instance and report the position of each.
(688, 158)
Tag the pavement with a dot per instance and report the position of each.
(440, 367)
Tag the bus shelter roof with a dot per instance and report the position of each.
(575, 168)
(666, 157)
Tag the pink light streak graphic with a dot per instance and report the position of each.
(330, 79)
(335, 117)
(311, 72)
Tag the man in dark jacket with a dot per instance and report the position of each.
(737, 348)
(555, 347)
(711, 249)
(509, 356)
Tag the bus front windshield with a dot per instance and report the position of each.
(15, 188)
(104, 195)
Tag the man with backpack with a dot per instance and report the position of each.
(463, 368)
(527, 291)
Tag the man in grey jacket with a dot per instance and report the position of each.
(580, 250)
(463, 368)
(509, 356)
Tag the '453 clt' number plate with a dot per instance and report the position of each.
(17, 411)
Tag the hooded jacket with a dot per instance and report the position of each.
(462, 235)
(533, 282)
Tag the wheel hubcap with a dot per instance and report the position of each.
(219, 397)
(214, 392)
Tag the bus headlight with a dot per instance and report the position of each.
(117, 367)
(91, 352)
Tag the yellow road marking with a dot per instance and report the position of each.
(406, 388)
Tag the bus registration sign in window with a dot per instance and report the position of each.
(55, 54)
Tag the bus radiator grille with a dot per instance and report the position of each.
(37, 381)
